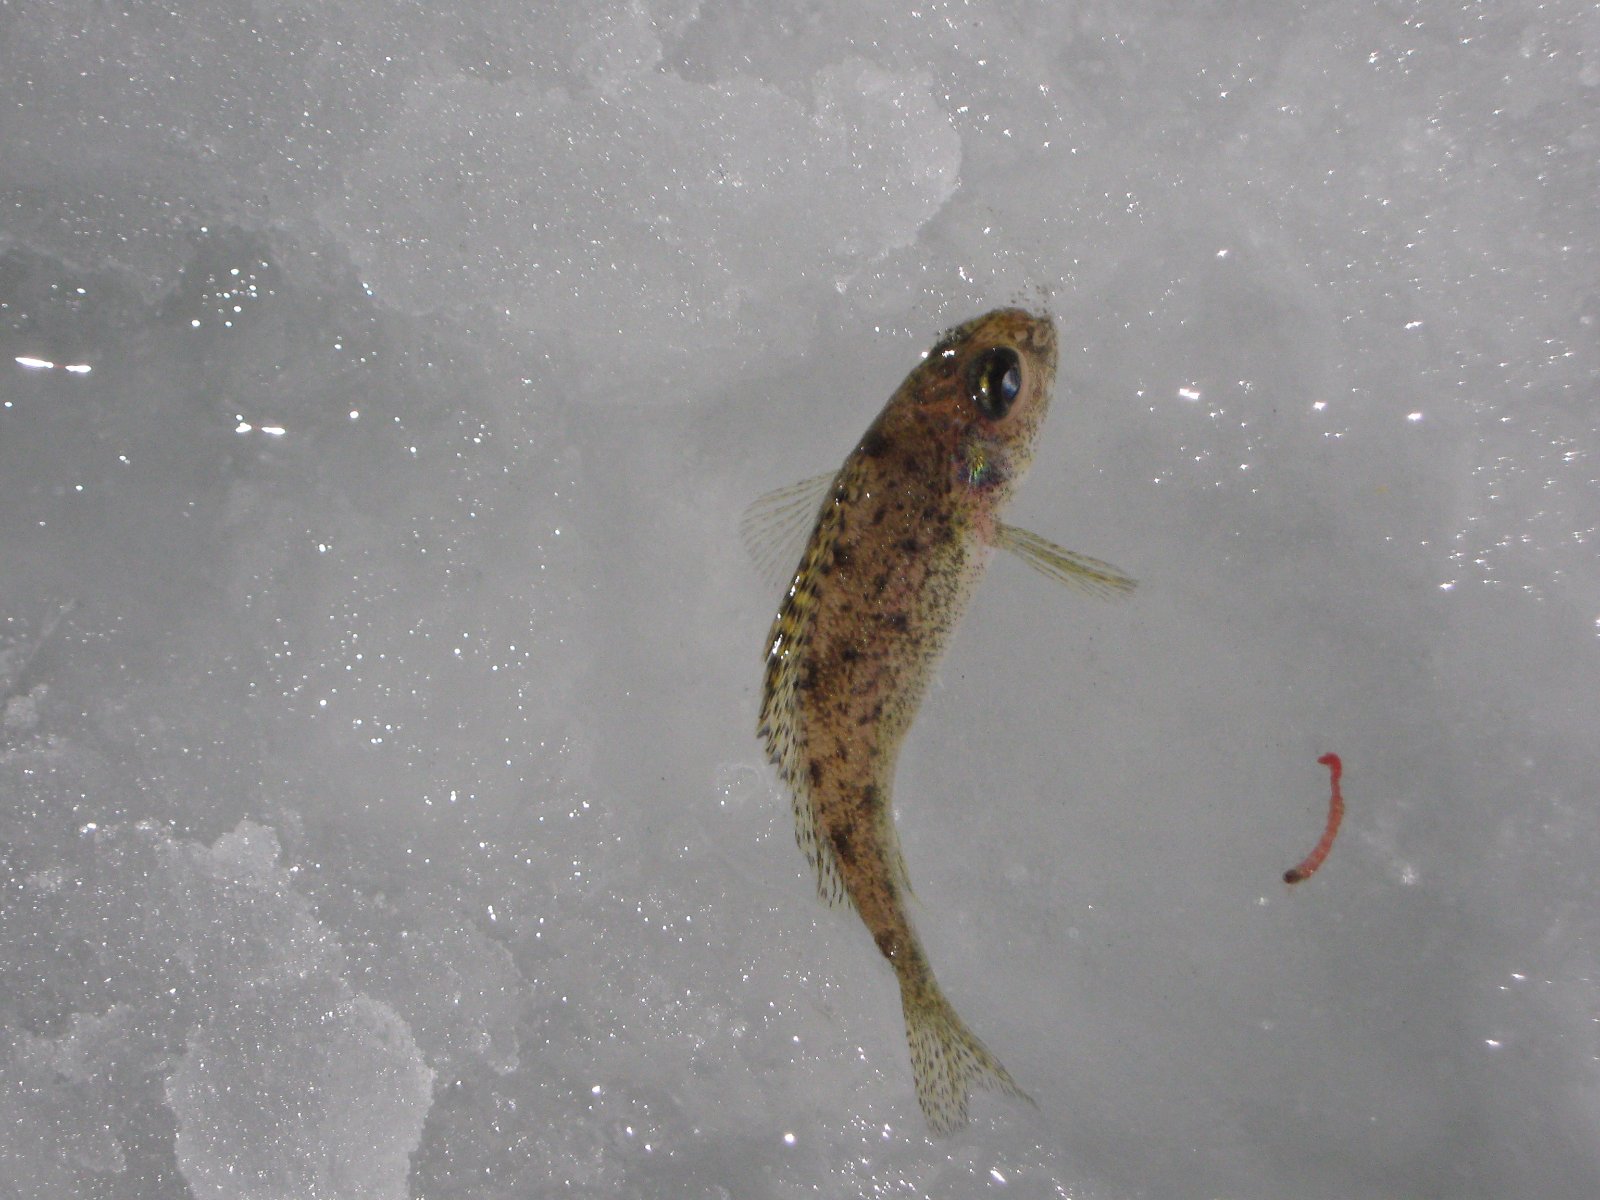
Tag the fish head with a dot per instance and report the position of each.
(981, 395)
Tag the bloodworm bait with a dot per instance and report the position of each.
(1308, 866)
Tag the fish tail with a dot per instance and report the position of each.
(947, 1059)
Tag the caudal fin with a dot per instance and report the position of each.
(947, 1059)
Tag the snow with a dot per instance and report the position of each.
(382, 812)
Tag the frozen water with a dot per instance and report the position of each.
(381, 810)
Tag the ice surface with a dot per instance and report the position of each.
(381, 811)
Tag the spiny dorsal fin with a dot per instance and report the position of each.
(775, 526)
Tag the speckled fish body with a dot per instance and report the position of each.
(902, 535)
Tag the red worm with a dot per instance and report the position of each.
(1335, 814)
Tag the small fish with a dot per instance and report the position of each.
(898, 538)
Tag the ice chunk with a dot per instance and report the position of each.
(459, 992)
(141, 123)
(52, 1096)
(626, 235)
(289, 1080)
(299, 1088)
(548, 176)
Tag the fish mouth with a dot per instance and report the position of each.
(1041, 335)
(1033, 332)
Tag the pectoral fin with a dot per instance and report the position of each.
(1077, 571)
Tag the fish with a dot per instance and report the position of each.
(898, 538)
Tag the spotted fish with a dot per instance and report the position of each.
(898, 538)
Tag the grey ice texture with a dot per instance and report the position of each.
(380, 808)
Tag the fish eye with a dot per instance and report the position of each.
(994, 381)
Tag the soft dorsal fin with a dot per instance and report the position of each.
(830, 883)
